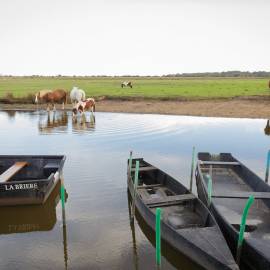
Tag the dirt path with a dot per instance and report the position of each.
(215, 108)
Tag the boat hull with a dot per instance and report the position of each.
(33, 184)
(199, 258)
(251, 255)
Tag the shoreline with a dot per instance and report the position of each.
(232, 108)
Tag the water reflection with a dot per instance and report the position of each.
(133, 233)
(82, 124)
(57, 122)
(267, 128)
(54, 122)
(30, 218)
(33, 218)
(97, 233)
(65, 246)
(11, 114)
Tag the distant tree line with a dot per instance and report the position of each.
(234, 73)
(224, 74)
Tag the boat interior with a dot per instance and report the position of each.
(20, 168)
(232, 184)
(181, 209)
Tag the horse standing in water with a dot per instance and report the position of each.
(76, 95)
(82, 107)
(126, 84)
(86, 105)
(52, 97)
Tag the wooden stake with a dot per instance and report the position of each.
(192, 168)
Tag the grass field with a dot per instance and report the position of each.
(143, 87)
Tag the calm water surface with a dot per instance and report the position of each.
(98, 234)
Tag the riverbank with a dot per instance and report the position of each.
(235, 108)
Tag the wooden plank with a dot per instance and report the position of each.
(16, 167)
(144, 169)
(219, 163)
(149, 186)
(242, 195)
(169, 199)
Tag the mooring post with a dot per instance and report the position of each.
(192, 168)
(242, 228)
(130, 163)
(135, 188)
(267, 167)
(158, 236)
(62, 194)
(209, 188)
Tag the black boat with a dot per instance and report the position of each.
(178, 260)
(30, 218)
(28, 179)
(187, 225)
(232, 184)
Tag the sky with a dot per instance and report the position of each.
(133, 37)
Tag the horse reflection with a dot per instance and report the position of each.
(55, 122)
(11, 114)
(81, 124)
(267, 128)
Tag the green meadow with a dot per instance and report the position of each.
(146, 87)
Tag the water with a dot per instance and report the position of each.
(98, 233)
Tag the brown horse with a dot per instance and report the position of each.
(52, 97)
(39, 95)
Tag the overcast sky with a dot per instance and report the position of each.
(144, 37)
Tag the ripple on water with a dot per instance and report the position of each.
(98, 232)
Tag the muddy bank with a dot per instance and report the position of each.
(239, 108)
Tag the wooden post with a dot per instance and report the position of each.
(62, 192)
(267, 167)
(192, 169)
(130, 163)
(135, 188)
(158, 236)
(242, 228)
(209, 188)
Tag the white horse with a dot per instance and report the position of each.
(76, 95)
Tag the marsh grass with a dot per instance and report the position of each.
(22, 89)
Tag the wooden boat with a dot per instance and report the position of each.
(187, 224)
(232, 184)
(30, 218)
(173, 256)
(28, 179)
